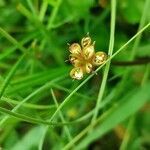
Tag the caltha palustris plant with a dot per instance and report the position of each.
(84, 58)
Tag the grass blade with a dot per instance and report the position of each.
(10, 74)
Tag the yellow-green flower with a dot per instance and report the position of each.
(83, 58)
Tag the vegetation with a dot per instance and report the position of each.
(42, 107)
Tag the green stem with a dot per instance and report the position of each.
(27, 105)
(110, 51)
(30, 119)
(61, 116)
(12, 40)
(53, 14)
(62, 119)
(146, 74)
(43, 10)
(127, 135)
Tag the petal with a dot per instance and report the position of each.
(75, 48)
(76, 73)
(99, 58)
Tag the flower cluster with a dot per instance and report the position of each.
(84, 58)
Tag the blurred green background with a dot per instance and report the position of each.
(35, 81)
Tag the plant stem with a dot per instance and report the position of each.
(110, 51)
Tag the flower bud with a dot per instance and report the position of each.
(99, 58)
(88, 52)
(86, 41)
(75, 48)
(76, 73)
